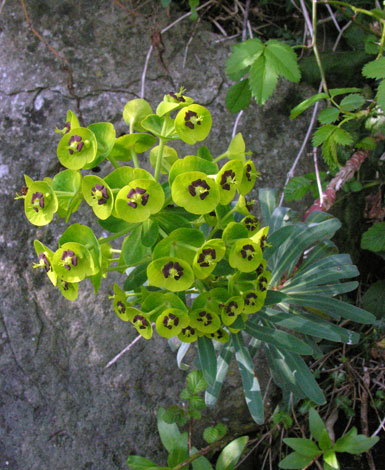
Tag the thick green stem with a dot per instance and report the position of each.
(114, 163)
(132, 151)
(159, 158)
(315, 48)
(117, 235)
(382, 42)
(353, 8)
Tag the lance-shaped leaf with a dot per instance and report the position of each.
(250, 175)
(72, 122)
(141, 322)
(105, 135)
(121, 306)
(124, 145)
(196, 192)
(245, 255)
(250, 382)
(68, 183)
(192, 163)
(204, 320)
(73, 262)
(223, 363)
(169, 157)
(231, 309)
(69, 290)
(40, 203)
(135, 111)
(98, 195)
(182, 243)
(207, 257)
(138, 200)
(193, 123)
(171, 321)
(231, 454)
(207, 359)
(45, 256)
(170, 273)
(228, 180)
(77, 148)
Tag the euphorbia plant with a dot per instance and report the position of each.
(196, 265)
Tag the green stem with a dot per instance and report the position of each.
(221, 157)
(159, 157)
(117, 234)
(75, 198)
(382, 42)
(64, 194)
(117, 268)
(354, 9)
(113, 161)
(115, 251)
(315, 48)
(134, 157)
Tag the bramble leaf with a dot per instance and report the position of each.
(283, 59)
(263, 80)
(242, 56)
(374, 69)
(238, 96)
(374, 238)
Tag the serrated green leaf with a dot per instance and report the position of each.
(210, 434)
(304, 105)
(231, 454)
(295, 461)
(296, 188)
(322, 134)
(177, 456)
(196, 383)
(352, 102)
(238, 96)
(303, 446)
(283, 60)
(374, 238)
(374, 69)
(242, 56)
(342, 137)
(328, 115)
(262, 79)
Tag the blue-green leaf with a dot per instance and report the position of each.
(208, 359)
(249, 380)
(223, 363)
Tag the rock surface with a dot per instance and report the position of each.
(60, 408)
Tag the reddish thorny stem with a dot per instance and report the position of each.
(344, 175)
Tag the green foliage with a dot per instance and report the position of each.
(178, 444)
(306, 451)
(262, 64)
(213, 273)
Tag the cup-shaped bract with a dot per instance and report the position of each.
(182, 243)
(231, 309)
(77, 148)
(69, 290)
(205, 320)
(171, 321)
(245, 255)
(141, 322)
(260, 238)
(195, 192)
(252, 224)
(220, 335)
(169, 156)
(71, 123)
(105, 135)
(73, 262)
(40, 203)
(170, 273)
(244, 206)
(193, 123)
(156, 302)
(124, 145)
(45, 256)
(228, 179)
(98, 195)
(139, 199)
(135, 111)
(192, 163)
(121, 306)
(249, 176)
(207, 257)
(188, 334)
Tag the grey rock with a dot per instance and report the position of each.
(60, 408)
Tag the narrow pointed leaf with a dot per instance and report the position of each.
(223, 363)
(208, 359)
